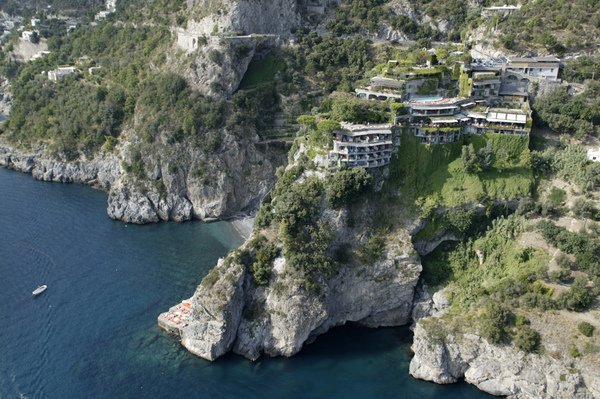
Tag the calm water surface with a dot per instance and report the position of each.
(93, 333)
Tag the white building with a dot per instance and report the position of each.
(61, 72)
(111, 5)
(537, 67)
(593, 154)
(366, 146)
(27, 35)
(503, 10)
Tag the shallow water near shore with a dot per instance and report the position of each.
(93, 333)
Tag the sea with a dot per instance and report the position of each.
(93, 333)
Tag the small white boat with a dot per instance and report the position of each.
(39, 290)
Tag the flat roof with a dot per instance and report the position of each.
(365, 129)
(502, 8)
(534, 60)
(475, 115)
(444, 121)
(506, 115)
(377, 93)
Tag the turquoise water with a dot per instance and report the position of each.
(93, 333)
(426, 98)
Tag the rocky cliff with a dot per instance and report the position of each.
(101, 172)
(230, 311)
(446, 357)
(222, 37)
(225, 184)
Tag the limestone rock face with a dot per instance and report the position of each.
(217, 309)
(499, 370)
(245, 16)
(233, 182)
(100, 172)
(280, 318)
(223, 36)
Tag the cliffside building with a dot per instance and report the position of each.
(367, 146)
(61, 72)
(537, 67)
(593, 154)
(504, 10)
(27, 35)
(465, 117)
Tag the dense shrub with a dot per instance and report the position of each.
(578, 297)
(460, 221)
(346, 186)
(526, 339)
(586, 328)
(495, 322)
(266, 252)
(337, 62)
(576, 115)
(585, 247)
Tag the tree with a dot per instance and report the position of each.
(469, 159)
(346, 186)
(578, 297)
(35, 38)
(460, 220)
(328, 126)
(583, 209)
(485, 156)
(527, 339)
(494, 323)
(306, 120)
(586, 328)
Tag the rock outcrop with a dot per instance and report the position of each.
(445, 357)
(100, 172)
(230, 313)
(233, 180)
(223, 36)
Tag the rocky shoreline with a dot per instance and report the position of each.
(100, 173)
(445, 358)
(182, 201)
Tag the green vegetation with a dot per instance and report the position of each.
(437, 174)
(575, 115)
(80, 113)
(342, 107)
(585, 247)
(495, 323)
(580, 69)
(550, 25)
(346, 186)
(527, 339)
(586, 328)
(69, 117)
(335, 62)
(354, 15)
(305, 239)
(262, 71)
(570, 164)
(260, 256)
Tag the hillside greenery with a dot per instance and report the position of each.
(436, 175)
(28, 8)
(577, 115)
(551, 26)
